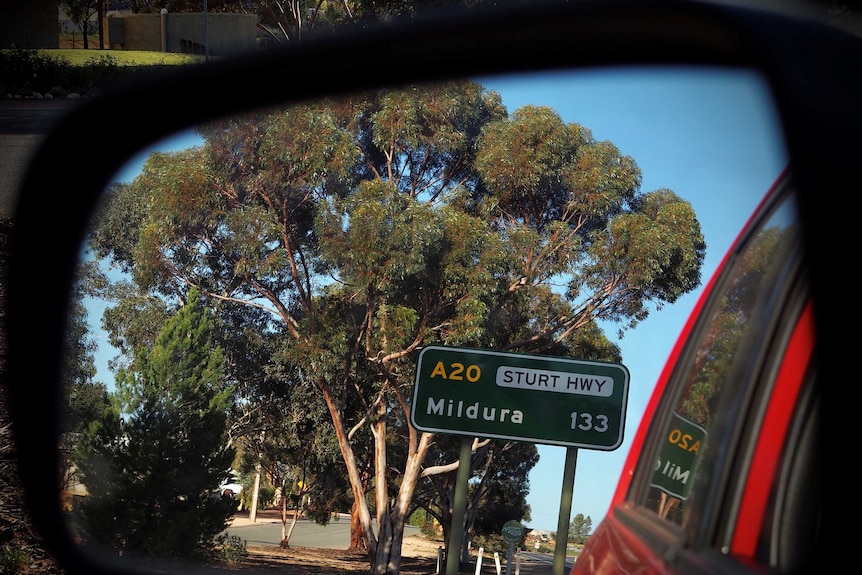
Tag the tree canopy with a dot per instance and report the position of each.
(335, 239)
(580, 529)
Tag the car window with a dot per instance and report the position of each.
(717, 393)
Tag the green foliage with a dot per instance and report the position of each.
(338, 237)
(230, 549)
(13, 560)
(24, 71)
(329, 496)
(429, 529)
(498, 487)
(87, 401)
(580, 529)
(492, 543)
(422, 519)
(97, 72)
(501, 502)
(151, 475)
(61, 72)
(265, 494)
(79, 365)
(417, 518)
(730, 324)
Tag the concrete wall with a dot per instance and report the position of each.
(185, 33)
(30, 24)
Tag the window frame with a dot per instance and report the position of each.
(717, 530)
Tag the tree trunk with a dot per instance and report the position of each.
(252, 511)
(284, 535)
(255, 489)
(357, 539)
(362, 512)
(297, 511)
(384, 557)
(391, 534)
(384, 550)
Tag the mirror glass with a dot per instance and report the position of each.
(255, 293)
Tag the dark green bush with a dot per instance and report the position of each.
(98, 72)
(230, 549)
(23, 72)
(417, 518)
(265, 495)
(491, 543)
(13, 560)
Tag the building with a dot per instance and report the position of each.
(216, 34)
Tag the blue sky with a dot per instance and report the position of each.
(714, 139)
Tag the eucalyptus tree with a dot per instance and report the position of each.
(87, 400)
(498, 486)
(292, 21)
(370, 226)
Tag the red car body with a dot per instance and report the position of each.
(752, 505)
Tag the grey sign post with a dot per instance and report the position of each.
(521, 397)
(513, 532)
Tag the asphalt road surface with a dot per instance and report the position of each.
(267, 531)
(336, 535)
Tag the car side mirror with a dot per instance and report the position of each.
(810, 68)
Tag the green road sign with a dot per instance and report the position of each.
(540, 399)
(678, 457)
(513, 531)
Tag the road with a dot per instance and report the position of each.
(336, 535)
(547, 559)
(267, 531)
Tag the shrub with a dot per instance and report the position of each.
(429, 529)
(12, 560)
(265, 494)
(491, 543)
(230, 549)
(425, 522)
(23, 72)
(417, 518)
(149, 485)
(97, 72)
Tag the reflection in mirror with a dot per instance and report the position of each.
(254, 294)
(722, 349)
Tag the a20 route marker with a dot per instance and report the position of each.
(522, 397)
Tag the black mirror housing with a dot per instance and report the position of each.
(814, 69)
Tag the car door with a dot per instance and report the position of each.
(722, 473)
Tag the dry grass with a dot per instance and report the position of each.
(314, 561)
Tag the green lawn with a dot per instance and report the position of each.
(78, 57)
(66, 70)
